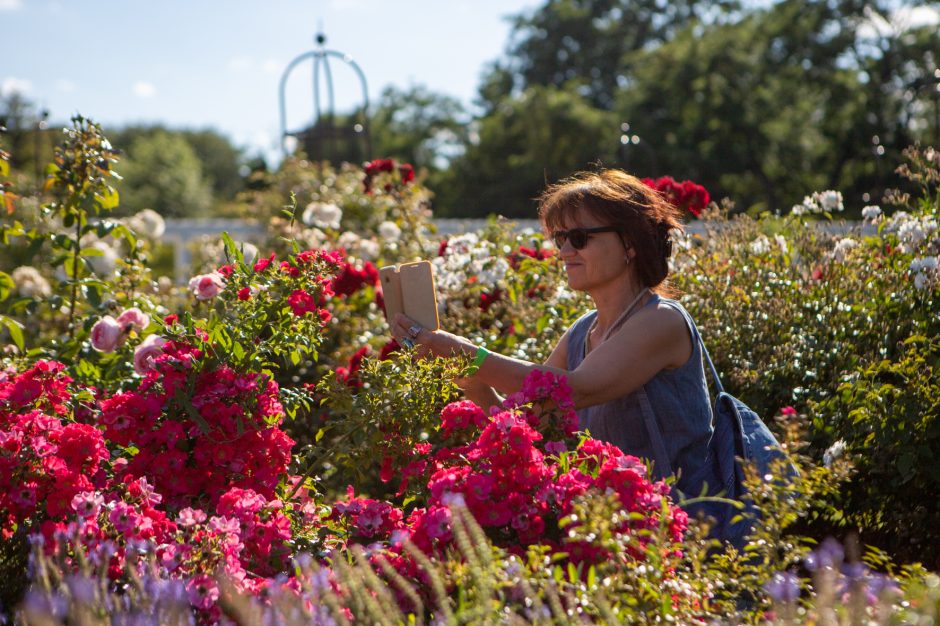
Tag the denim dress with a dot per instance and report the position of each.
(680, 406)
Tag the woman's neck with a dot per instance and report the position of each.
(611, 303)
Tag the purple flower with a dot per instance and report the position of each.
(829, 554)
(783, 587)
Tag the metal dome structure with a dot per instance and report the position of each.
(324, 139)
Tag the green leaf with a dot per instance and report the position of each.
(108, 199)
(572, 573)
(123, 232)
(6, 285)
(16, 331)
(87, 370)
(231, 251)
(92, 293)
(4, 168)
(90, 252)
(69, 266)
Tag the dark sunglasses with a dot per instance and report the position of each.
(578, 236)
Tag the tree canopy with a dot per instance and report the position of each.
(762, 103)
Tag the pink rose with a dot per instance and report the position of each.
(149, 349)
(106, 335)
(133, 318)
(206, 286)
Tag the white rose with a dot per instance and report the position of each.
(368, 249)
(871, 213)
(389, 231)
(103, 265)
(323, 215)
(829, 200)
(761, 245)
(147, 223)
(30, 283)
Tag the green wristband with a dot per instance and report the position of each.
(478, 359)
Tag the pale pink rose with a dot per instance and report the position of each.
(190, 517)
(133, 318)
(106, 334)
(87, 503)
(149, 349)
(206, 286)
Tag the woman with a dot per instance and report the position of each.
(635, 363)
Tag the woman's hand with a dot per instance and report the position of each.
(437, 342)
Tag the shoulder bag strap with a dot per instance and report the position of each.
(708, 359)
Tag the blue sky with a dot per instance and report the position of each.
(218, 63)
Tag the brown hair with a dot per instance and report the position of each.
(643, 218)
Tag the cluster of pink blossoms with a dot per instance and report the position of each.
(56, 481)
(247, 539)
(225, 434)
(44, 460)
(517, 484)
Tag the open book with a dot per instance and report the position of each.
(409, 288)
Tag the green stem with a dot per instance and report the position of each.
(306, 473)
(75, 260)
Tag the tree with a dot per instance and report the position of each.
(415, 125)
(585, 44)
(220, 161)
(542, 135)
(162, 172)
(418, 126)
(27, 135)
(784, 101)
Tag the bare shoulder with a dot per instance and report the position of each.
(667, 329)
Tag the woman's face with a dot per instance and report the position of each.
(600, 263)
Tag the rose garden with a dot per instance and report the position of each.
(252, 447)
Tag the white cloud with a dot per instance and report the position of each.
(11, 5)
(65, 85)
(15, 85)
(143, 89)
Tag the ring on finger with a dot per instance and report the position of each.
(414, 330)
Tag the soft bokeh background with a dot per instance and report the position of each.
(761, 102)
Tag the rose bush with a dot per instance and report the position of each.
(204, 439)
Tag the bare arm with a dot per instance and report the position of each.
(652, 340)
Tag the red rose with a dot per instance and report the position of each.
(407, 173)
(262, 264)
(301, 302)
